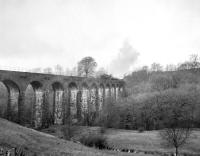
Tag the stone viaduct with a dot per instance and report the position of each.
(73, 97)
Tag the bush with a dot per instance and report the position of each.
(141, 129)
(94, 140)
(67, 132)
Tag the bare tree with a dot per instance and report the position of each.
(184, 66)
(162, 82)
(194, 60)
(175, 137)
(178, 123)
(156, 67)
(193, 63)
(170, 67)
(86, 66)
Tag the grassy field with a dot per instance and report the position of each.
(14, 135)
(129, 139)
(148, 141)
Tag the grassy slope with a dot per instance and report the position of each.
(13, 135)
(128, 139)
(148, 141)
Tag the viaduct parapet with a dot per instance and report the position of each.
(73, 97)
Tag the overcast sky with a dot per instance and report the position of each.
(121, 35)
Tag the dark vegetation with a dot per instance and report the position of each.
(94, 140)
(153, 96)
(168, 101)
(155, 100)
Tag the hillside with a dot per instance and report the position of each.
(149, 141)
(143, 81)
(38, 143)
(142, 142)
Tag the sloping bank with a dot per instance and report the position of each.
(36, 143)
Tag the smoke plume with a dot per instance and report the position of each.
(126, 58)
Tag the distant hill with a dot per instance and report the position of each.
(141, 81)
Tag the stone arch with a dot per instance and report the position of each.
(72, 94)
(107, 91)
(13, 100)
(34, 109)
(121, 89)
(117, 91)
(113, 92)
(107, 94)
(4, 101)
(101, 96)
(58, 108)
(84, 104)
(93, 98)
(36, 85)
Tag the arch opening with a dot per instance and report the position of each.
(73, 90)
(107, 94)
(29, 105)
(33, 108)
(84, 100)
(121, 90)
(13, 100)
(4, 101)
(101, 97)
(94, 98)
(113, 92)
(58, 109)
(117, 92)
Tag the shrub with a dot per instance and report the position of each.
(141, 129)
(67, 132)
(94, 140)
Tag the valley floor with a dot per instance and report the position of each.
(149, 141)
(36, 143)
(40, 143)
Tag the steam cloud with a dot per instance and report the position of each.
(125, 59)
